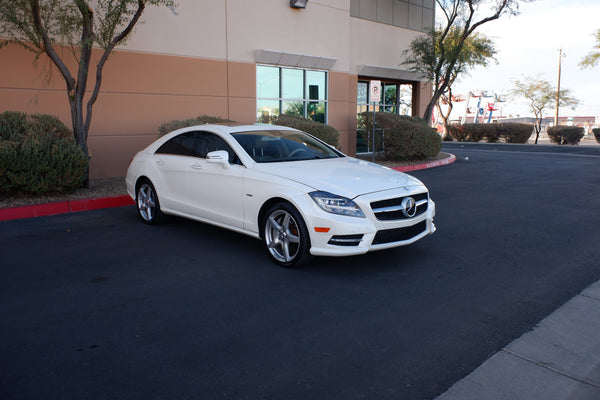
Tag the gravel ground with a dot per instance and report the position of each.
(99, 187)
(110, 187)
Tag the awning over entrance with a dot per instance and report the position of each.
(389, 73)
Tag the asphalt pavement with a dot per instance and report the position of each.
(560, 358)
(500, 303)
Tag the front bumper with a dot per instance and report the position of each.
(353, 236)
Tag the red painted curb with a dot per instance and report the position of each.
(43, 210)
(438, 163)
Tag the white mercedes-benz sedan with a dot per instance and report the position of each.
(297, 194)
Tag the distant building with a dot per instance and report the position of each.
(237, 59)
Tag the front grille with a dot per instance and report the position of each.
(345, 240)
(391, 209)
(399, 234)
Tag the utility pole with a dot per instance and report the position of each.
(560, 56)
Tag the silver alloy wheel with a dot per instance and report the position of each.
(282, 236)
(146, 202)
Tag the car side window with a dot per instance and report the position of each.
(181, 145)
(208, 142)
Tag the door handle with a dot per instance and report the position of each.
(196, 166)
(160, 162)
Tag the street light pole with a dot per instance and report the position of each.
(560, 56)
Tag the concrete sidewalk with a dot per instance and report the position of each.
(558, 360)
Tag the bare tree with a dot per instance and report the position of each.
(44, 26)
(540, 94)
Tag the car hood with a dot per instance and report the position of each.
(347, 176)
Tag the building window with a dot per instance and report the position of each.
(395, 98)
(417, 15)
(282, 90)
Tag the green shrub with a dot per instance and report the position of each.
(13, 124)
(41, 156)
(566, 134)
(514, 132)
(326, 133)
(596, 132)
(406, 138)
(383, 120)
(411, 141)
(171, 126)
(47, 124)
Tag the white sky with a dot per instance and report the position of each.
(528, 46)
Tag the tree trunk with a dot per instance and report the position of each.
(427, 116)
(537, 126)
(79, 132)
(445, 117)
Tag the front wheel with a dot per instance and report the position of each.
(285, 235)
(147, 203)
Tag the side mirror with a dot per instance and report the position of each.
(218, 157)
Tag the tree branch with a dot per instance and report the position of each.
(48, 48)
(108, 49)
(86, 43)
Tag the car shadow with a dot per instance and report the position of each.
(251, 251)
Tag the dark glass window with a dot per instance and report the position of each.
(180, 145)
(197, 144)
(208, 142)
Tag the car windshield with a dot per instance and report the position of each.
(280, 145)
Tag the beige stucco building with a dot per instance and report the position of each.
(236, 59)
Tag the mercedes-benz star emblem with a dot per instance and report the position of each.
(409, 207)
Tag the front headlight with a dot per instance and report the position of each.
(337, 204)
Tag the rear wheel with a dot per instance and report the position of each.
(147, 203)
(285, 235)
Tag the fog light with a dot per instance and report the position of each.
(346, 240)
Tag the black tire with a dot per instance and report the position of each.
(147, 203)
(285, 235)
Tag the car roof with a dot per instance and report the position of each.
(237, 128)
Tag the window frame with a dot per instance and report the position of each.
(306, 99)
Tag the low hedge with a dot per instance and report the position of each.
(38, 154)
(596, 132)
(458, 133)
(171, 126)
(474, 132)
(515, 132)
(325, 132)
(406, 137)
(511, 132)
(566, 134)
